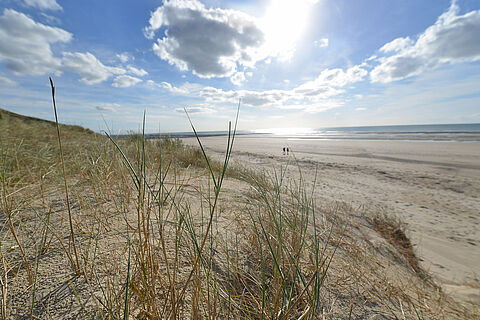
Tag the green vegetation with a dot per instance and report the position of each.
(159, 230)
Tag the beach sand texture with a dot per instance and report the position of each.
(433, 187)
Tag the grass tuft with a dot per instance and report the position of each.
(393, 231)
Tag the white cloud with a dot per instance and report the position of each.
(314, 96)
(50, 19)
(210, 42)
(125, 81)
(238, 78)
(397, 45)
(337, 77)
(123, 57)
(43, 4)
(172, 89)
(309, 97)
(111, 107)
(137, 72)
(215, 95)
(314, 92)
(360, 109)
(88, 67)
(184, 90)
(195, 110)
(264, 98)
(251, 98)
(453, 38)
(321, 43)
(25, 45)
(6, 81)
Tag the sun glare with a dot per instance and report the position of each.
(284, 23)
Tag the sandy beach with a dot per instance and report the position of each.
(431, 186)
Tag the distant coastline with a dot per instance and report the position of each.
(428, 133)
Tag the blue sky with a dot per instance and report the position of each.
(297, 63)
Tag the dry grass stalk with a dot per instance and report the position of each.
(72, 243)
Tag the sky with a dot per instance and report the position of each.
(289, 63)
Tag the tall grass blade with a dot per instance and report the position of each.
(72, 233)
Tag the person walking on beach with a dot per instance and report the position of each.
(283, 150)
(287, 151)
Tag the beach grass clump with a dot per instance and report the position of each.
(288, 253)
(279, 275)
(393, 230)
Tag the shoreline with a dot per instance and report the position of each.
(379, 136)
(431, 187)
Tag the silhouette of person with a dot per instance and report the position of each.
(284, 150)
(287, 151)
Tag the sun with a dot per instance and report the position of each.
(284, 24)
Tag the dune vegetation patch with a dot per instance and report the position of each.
(155, 229)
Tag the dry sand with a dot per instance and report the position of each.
(434, 187)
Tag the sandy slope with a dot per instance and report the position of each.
(432, 186)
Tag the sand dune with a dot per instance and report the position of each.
(432, 186)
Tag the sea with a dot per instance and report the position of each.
(430, 132)
(469, 132)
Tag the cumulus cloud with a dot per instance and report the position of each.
(43, 4)
(314, 96)
(125, 81)
(110, 107)
(210, 42)
(169, 87)
(215, 95)
(264, 98)
(25, 45)
(323, 93)
(302, 97)
(88, 67)
(238, 78)
(360, 109)
(249, 97)
(397, 45)
(336, 78)
(137, 72)
(453, 38)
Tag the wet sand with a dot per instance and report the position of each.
(434, 187)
